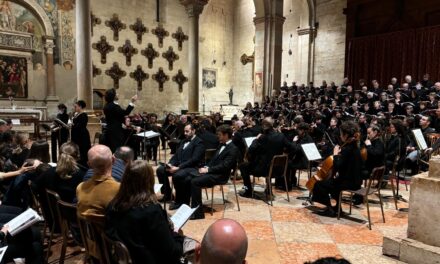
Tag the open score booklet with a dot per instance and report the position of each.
(182, 215)
(23, 221)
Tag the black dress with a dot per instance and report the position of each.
(81, 136)
(146, 233)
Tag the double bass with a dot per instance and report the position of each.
(326, 170)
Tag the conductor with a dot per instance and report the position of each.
(114, 115)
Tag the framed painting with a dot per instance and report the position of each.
(209, 78)
(13, 77)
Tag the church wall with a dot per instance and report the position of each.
(244, 32)
(330, 41)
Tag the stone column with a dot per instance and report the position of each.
(260, 58)
(50, 71)
(306, 55)
(84, 52)
(194, 9)
(274, 53)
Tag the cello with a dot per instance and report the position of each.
(326, 169)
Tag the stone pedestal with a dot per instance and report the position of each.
(423, 242)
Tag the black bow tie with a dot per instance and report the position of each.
(223, 145)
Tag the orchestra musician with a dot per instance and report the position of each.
(347, 164)
(59, 134)
(80, 133)
(152, 144)
(375, 150)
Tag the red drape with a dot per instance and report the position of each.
(414, 52)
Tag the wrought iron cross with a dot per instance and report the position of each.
(161, 33)
(139, 29)
(160, 77)
(180, 79)
(96, 71)
(95, 20)
(140, 76)
(171, 57)
(128, 51)
(115, 25)
(180, 37)
(116, 74)
(150, 53)
(103, 47)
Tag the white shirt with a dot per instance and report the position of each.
(223, 147)
(187, 143)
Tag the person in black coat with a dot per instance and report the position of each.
(60, 136)
(375, 150)
(260, 154)
(209, 139)
(80, 134)
(190, 154)
(114, 116)
(298, 158)
(347, 164)
(135, 218)
(217, 171)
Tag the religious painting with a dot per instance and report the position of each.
(13, 77)
(209, 78)
(258, 85)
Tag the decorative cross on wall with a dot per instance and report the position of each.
(180, 79)
(139, 29)
(150, 53)
(103, 47)
(128, 51)
(95, 21)
(96, 71)
(171, 57)
(161, 33)
(140, 76)
(180, 37)
(116, 74)
(161, 78)
(115, 25)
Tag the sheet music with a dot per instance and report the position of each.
(2, 252)
(52, 164)
(311, 151)
(249, 141)
(148, 134)
(182, 215)
(23, 221)
(15, 122)
(420, 139)
(157, 187)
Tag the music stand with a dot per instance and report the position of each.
(147, 135)
(312, 154)
(64, 125)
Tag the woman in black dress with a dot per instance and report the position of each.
(80, 134)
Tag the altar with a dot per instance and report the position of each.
(227, 110)
(25, 119)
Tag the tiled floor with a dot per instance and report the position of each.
(289, 232)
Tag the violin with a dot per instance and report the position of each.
(326, 170)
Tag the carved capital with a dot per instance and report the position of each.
(49, 45)
(306, 31)
(194, 7)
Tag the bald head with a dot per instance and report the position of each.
(225, 242)
(100, 159)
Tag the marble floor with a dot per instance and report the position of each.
(291, 233)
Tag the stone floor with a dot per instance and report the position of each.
(290, 232)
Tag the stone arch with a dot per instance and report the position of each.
(40, 14)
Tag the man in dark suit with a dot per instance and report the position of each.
(189, 155)
(114, 116)
(216, 172)
(260, 154)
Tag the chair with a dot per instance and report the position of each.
(278, 161)
(393, 178)
(91, 227)
(375, 179)
(96, 137)
(52, 200)
(234, 179)
(115, 251)
(209, 153)
(68, 220)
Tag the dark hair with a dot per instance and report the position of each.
(349, 128)
(225, 129)
(329, 260)
(399, 126)
(124, 153)
(110, 95)
(137, 187)
(62, 107)
(81, 104)
(303, 126)
(375, 128)
(40, 150)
